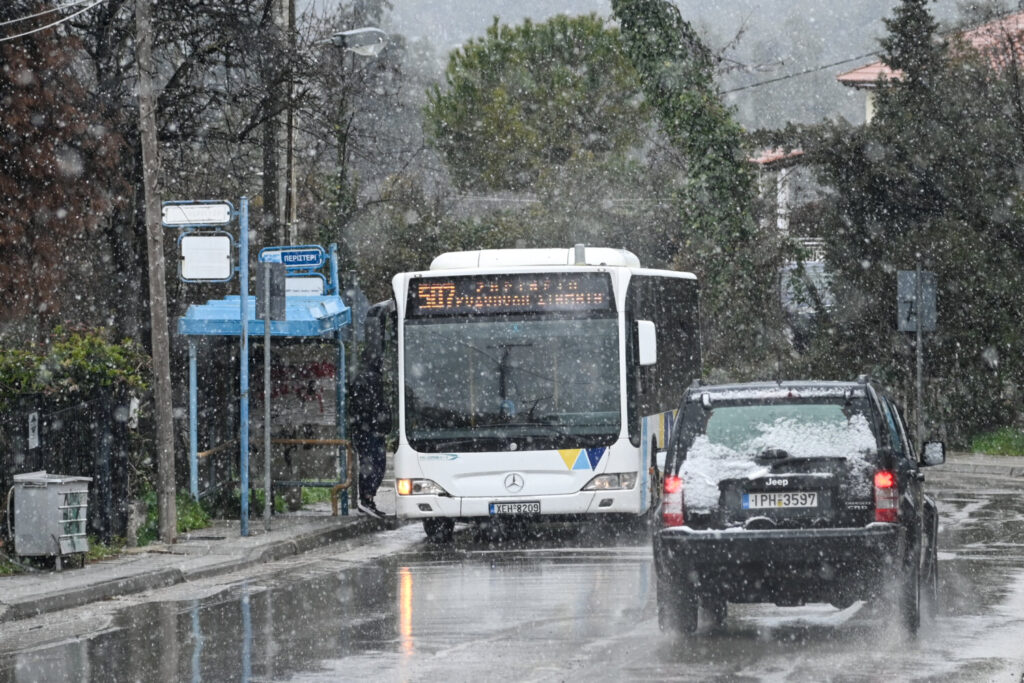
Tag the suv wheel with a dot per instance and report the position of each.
(909, 598)
(677, 608)
(716, 608)
(930, 582)
(930, 577)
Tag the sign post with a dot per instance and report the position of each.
(271, 306)
(243, 372)
(917, 312)
(268, 491)
(207, 264)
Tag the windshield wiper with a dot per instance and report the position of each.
(551, 427)
(453, 443)
(775, 457)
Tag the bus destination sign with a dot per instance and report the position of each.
(510, 293)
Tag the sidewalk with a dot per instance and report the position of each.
(1007, 466)
(217, 549)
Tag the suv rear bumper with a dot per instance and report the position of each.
(781, 564)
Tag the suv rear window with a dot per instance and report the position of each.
(731, 440)
(801, 430)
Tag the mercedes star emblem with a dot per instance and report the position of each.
(514, 483)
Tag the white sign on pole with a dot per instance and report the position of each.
(312, 285)
(33, 431)
(206, 257)
(907, 303)
(189, 215)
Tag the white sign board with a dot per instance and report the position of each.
(187, 215)
(33, 431)
(907, 304)
(304, 286)
(206, 257)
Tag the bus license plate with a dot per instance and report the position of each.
(524, 508)
(792, 499)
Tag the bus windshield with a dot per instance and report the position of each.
(486, 383)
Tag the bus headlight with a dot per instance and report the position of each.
(607, 482)
(419, 487)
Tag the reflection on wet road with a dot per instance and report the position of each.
(559, 607)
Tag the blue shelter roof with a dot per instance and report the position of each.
(306, 316)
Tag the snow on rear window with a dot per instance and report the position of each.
(777, 393)
(707, 464)
(735, 435)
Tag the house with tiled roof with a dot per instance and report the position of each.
(1001, 41)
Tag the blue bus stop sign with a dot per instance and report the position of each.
(310, 256)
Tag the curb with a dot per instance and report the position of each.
(984, 469)
(311, 541)
(988, 470)
(77, 597)
(152, 579)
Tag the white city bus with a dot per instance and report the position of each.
(537, 382)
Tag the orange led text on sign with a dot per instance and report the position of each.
(505, 294)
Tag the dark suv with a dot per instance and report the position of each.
(794, 492)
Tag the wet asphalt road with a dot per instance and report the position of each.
(560, 607)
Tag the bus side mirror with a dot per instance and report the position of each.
(647, 343)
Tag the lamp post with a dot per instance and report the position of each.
(367, 41)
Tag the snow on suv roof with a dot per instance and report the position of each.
(777, 390)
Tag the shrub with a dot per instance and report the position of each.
(1005, 441)
(76, 363)
(191, 516)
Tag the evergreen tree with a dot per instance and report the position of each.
(527, 99)
(912, 46)
(552, 113)
(935, 177)
(737, 263)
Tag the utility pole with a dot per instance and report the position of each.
(168, 512)
(919, 383)
(291, 200)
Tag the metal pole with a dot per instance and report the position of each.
(342, 416)
(243, 374)
(334, 287)
(193, 429)
(918, 296)
(268, 494)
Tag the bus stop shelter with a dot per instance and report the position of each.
(310, 317)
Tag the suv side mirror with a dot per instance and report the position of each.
(647, 342)
(934, 453)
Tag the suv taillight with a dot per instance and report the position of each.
(672, 502)
(887, 497)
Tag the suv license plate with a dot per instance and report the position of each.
(525, 508)
(792, 499)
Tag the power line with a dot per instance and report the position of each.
(801, 73)
(43, 13)
(949, 32)
(51, 25)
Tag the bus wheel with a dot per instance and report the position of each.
(439, 529)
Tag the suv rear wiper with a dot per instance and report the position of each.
(777, 456)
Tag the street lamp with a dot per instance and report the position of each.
(367, 41)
